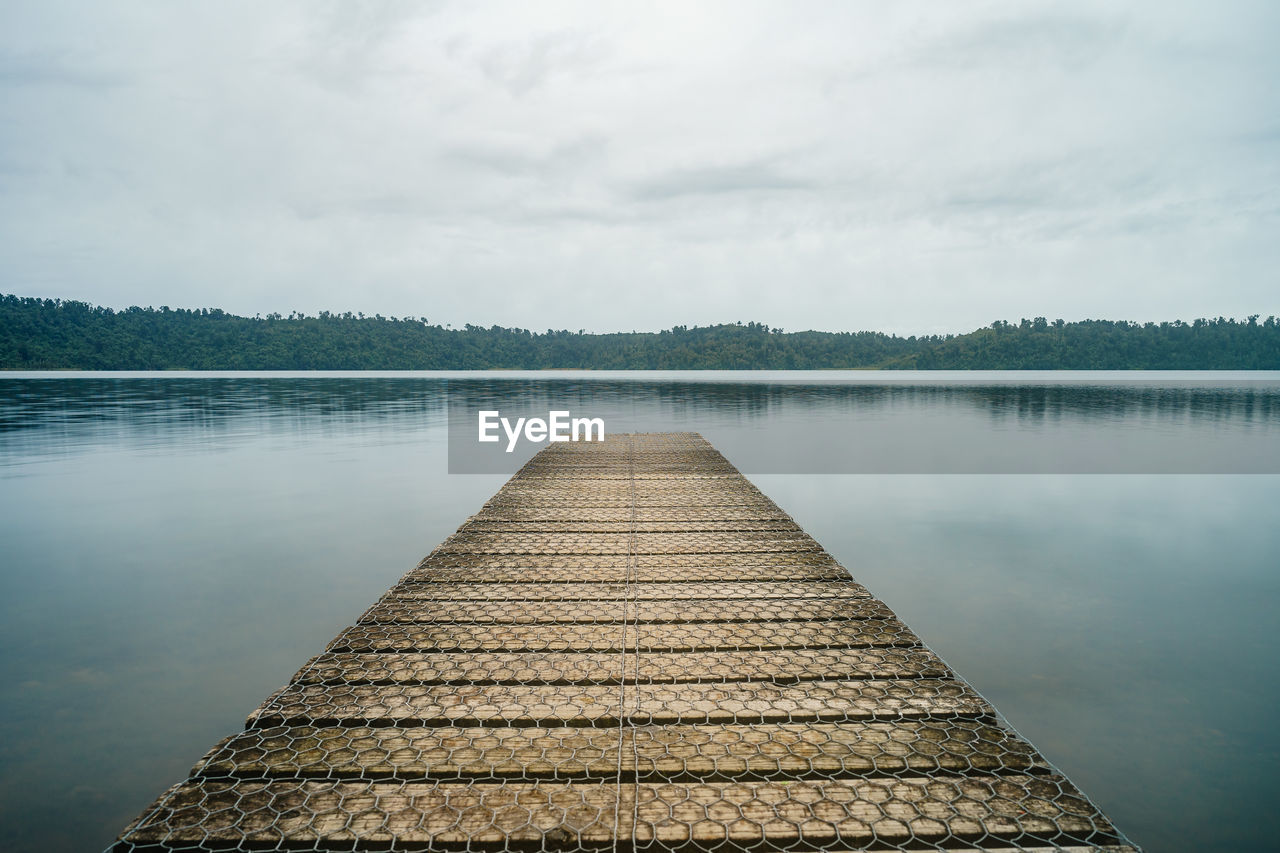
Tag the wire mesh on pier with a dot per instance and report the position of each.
(629, 647)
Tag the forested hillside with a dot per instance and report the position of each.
(1220, 344)
(57, 334)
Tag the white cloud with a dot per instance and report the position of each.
(907, 167)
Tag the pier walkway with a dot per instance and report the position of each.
(629, 647)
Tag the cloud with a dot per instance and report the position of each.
(1030, 37)
(516, 159)
(761, 176)
(28, 69)
(908, 167)
(519, 67)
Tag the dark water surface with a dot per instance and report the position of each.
(173, 547)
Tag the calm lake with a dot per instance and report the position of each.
(1098, 554)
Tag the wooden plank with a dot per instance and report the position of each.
(478, 638)
(816, 750)
(784, 665)
(330, 703)
(850, 633)
(866, 812)
(655, 612)
(576, 591)
(811, 701)
(651, 498)
(639, 445)
(700, 566)
(400, 610)
(464, 668)
(605, 457)
(639, 469)
(643, 458)
(724, 487)
(677, 637)
(618, 568)
(639, 458)
(221, 814)
(781, 665)
(665, 573)
(395, 610)
(513, 572)
(629, 525)
(691, 515)
(508, 591)
(564, 496)
(674, 752)
(388, 752)
(621, 543)
(440, 705)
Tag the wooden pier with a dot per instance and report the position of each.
(629, 647)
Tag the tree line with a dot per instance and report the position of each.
(41, 334)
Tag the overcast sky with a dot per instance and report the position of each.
(898, 166)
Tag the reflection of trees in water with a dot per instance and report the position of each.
(1102, 403)
(165, 405)
(157, 405)
(1031, 402)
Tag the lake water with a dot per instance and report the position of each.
(1085, 549)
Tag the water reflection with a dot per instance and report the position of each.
(864, 428)
(873, 425)
(175, 547)
(54, 416)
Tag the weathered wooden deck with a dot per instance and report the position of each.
(629, 647)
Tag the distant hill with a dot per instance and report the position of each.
(58, 334)
(1221, 344)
